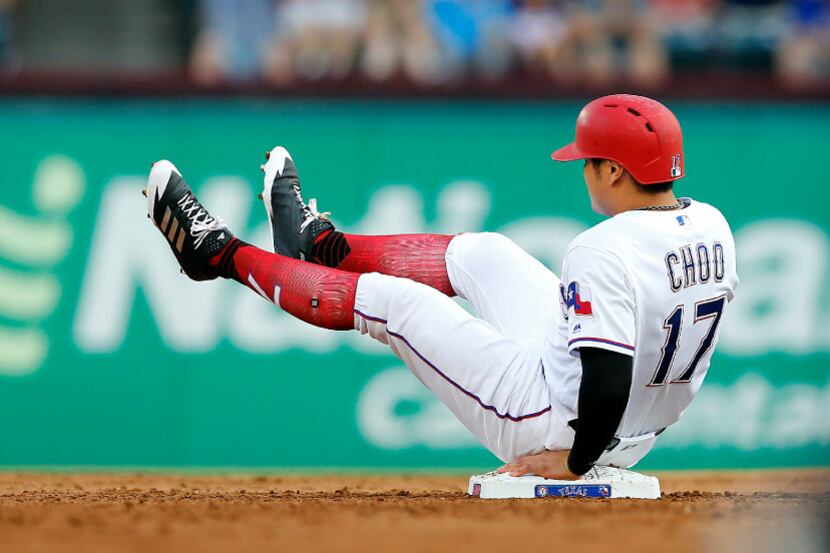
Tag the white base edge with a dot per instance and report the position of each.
(606, 482)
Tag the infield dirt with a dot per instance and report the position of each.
(720, 511)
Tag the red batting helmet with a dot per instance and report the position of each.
(637, 132)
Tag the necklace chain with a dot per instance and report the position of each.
(678, 205)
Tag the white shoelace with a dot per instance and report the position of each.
(312, 214)
(199, 228)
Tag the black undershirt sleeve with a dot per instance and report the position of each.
(603, 396)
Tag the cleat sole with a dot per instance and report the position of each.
(274, 166)
(157, 182)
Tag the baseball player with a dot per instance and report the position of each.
(551, 375)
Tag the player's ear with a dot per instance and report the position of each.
(615, 172)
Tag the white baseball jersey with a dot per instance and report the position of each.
(653, 285)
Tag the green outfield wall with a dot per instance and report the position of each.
(108, 356)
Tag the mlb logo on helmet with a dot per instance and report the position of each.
(579, 297)
(676, 169)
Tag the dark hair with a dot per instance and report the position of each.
(656, 188)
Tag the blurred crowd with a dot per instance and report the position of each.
(434, 41)
(443, 41)
(6, 7)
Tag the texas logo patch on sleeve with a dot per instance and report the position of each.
(579, 298)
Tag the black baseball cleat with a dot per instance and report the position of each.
(194, 235)
(294, 224)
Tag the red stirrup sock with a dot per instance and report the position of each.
(317, 295)
(418, 257)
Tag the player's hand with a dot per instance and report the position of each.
(548, 464)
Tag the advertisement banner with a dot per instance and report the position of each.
(110, 357)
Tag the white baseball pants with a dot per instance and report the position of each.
(487, 368)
